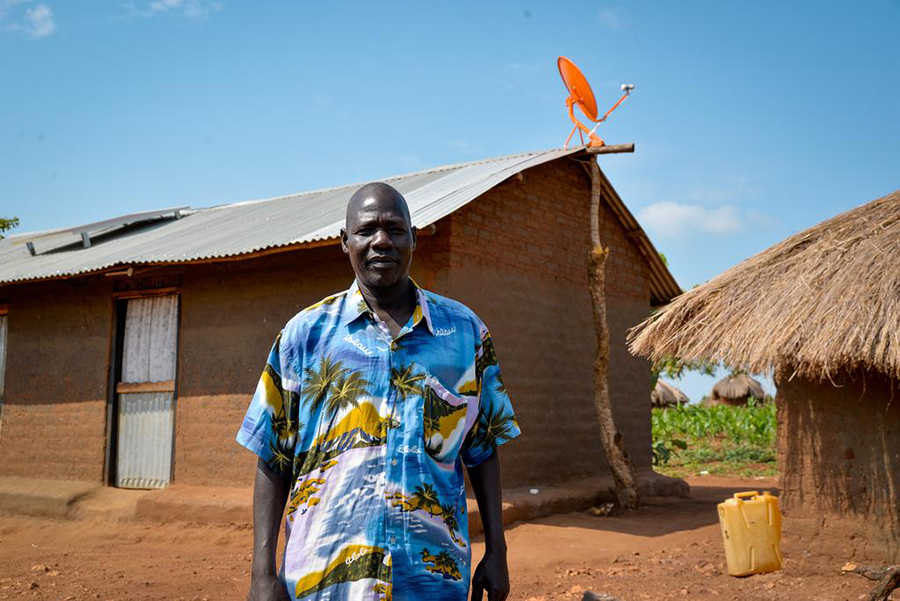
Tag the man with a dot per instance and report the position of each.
(371, 402)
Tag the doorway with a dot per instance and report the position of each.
(145, 392)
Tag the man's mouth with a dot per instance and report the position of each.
(382, 261)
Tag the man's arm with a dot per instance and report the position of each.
(492, 574)
(270, 493)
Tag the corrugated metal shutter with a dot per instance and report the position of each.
(145, 440)
(146, 415)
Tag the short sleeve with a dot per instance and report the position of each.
(496, 423)
(270, 426)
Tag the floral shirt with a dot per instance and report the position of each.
(374, 431)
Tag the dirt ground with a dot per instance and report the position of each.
(669, 549)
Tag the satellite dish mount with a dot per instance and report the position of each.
(580, 93)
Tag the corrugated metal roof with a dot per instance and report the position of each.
(247, 227)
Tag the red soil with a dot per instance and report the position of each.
(669, 549)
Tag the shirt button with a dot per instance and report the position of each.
(394, 461)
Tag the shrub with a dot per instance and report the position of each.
(693, 434)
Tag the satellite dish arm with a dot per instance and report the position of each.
(627, 89)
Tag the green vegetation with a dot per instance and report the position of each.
(722, 440)
(7, 223)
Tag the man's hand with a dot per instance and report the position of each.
(267, 588)
(270, 493)
(492, 576)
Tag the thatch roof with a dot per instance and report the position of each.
(823, 300)
(666, 395)
(738, 387)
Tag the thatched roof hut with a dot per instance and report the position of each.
(666, 395)
(736, 390)
(823, 309)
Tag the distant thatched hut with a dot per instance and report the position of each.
(823, 309)
(735, 390)
(666, 395)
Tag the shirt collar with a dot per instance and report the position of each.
(355, 306)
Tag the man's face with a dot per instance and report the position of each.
(379, 240)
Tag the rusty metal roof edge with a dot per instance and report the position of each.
(439, 169)
(665, 284)
(311, 239)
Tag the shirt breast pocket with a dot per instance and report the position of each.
(444, 421)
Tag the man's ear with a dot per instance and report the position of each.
(415, 237)
(344, 241)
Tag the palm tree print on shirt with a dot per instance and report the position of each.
(405, 382)
(346, 391)
(281, 458)
(281, 406)
(425, 498)
(318, 384)
(333, 386)
(448, 514)
(492, 428)
(501, 386)
(442, 563)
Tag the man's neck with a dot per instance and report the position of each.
(394, 305)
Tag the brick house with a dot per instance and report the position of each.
(132, 346)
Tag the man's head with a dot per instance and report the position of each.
(378, 236)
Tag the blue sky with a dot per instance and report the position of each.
(752, 120)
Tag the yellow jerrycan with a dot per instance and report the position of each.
(751, 530)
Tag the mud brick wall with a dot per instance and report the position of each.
(230, 315)
(518, 258)
(58, 359)
(839, 453)
(54, 419)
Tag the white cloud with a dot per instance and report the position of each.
(35, 22)
(674, 220)
(39, 21)
(193, 9)
(613, 17)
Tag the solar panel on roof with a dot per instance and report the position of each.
(89, 229)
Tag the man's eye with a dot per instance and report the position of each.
(398, 231)
(364, 232)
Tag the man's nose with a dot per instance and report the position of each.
(382, 239)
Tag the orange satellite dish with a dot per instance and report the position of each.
(579, 89)
(580, 93)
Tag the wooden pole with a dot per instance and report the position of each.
(888, 578)
(613, 149)
(886, 586)
(613, 442)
